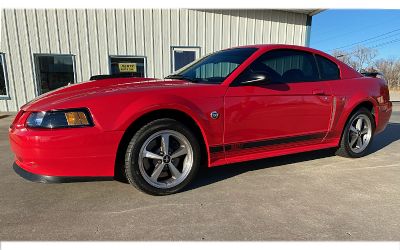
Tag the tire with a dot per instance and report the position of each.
(154, 172)
(353, 134)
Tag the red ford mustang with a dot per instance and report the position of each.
(235, 105)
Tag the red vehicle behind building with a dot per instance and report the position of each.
(235, 105)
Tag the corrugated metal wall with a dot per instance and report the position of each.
(92, 35)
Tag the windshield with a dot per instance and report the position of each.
(214, 68)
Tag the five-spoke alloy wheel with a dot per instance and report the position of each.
(166, 159)
(162, 157)
(360, 133)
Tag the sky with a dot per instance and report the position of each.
(346, 29)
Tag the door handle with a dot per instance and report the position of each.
(318, 92)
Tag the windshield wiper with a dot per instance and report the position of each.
(181, 77)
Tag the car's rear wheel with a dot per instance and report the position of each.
(357, 135)
(162, 157)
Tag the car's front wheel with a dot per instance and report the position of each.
(162, 157)
(357, 135)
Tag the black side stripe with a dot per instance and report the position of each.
(284, 140)
(265, 143)
(216, 149)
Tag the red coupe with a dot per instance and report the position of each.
(234, 105)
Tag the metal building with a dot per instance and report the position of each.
(42, 50)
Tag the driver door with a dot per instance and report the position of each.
(293, 109)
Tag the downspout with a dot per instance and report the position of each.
(308, 30)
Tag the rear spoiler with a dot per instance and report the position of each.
(372, 74)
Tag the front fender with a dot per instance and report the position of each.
(147, 104)
(196, 108)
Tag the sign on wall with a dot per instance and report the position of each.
(127, 67)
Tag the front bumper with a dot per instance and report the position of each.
(55, 179)
(69, 152)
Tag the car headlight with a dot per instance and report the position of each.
(60, 119)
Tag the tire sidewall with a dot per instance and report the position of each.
(132, 170)
(345, 136)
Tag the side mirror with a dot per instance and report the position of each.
(255, 78)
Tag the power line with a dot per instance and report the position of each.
(397, 40)
(367, 43)
(387, 43)
(369, 39)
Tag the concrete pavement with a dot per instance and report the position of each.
(309, 196)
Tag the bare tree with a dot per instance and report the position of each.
(359, 58)
(390, 68)
(344, 57)
(364, 57)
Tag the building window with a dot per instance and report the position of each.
(54, 71)
(182, 56)
(128, 66)
(3, 77)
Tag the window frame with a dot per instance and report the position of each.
(37, 70)
(128, 56)
(319, 69)
(313, 54)
(196, 49)
(6, 82)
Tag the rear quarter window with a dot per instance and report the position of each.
(328, 69)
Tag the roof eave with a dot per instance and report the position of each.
(313, 13)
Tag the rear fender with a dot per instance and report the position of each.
(348, 106)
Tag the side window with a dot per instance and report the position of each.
(328, 69)
(287, 66)
(215, 70)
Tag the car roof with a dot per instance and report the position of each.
(266, 47)
(281, 46)
(346, 71)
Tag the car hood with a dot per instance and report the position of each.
(98, 88)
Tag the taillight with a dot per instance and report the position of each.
(16, 119)
(380, 76)
(384, 89)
